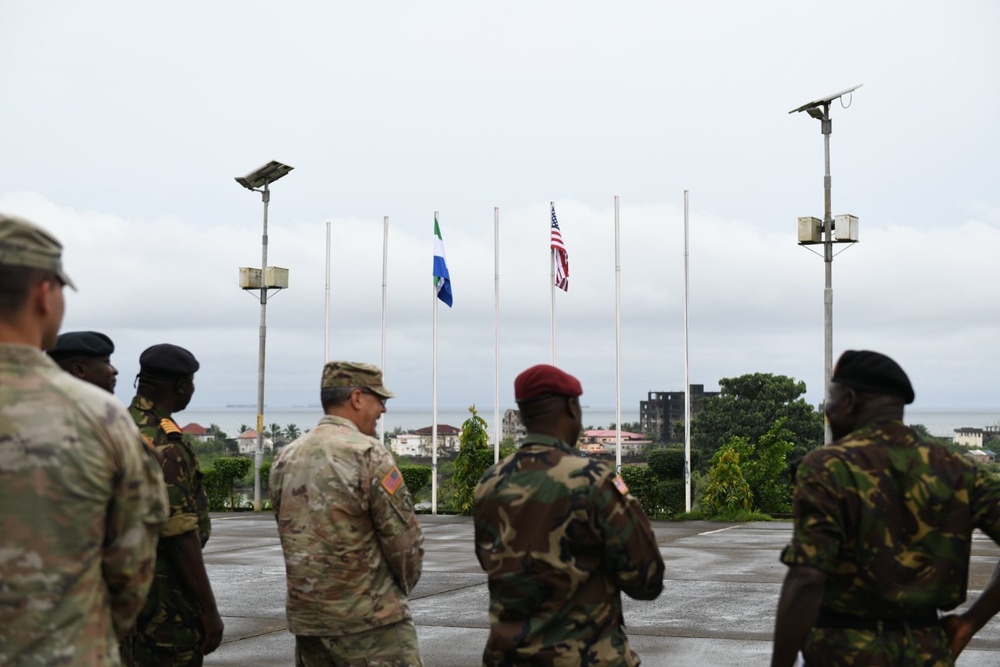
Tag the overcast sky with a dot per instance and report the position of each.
(125, 123)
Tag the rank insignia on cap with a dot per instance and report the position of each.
(620, 484)
(169, 426)
(392, 481)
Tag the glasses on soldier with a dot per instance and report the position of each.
(381, 399)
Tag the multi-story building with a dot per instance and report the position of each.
(662, 410)
(418, 442)
(512, 426)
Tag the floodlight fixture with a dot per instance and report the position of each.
(265, 175)
(815, 104)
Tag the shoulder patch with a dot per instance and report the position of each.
(392, 481)
(620, 484)
(169, 426)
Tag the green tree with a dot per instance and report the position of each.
(474, 456)
(244, 428)
(292, 432)
(748, 406)
(220, 480)
(763, 466)
(727, 490)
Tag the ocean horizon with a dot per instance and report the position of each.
(940, 422)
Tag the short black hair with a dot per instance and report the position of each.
(15, 284)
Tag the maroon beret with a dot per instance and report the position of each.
(544, 380)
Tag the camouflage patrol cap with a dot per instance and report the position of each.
(167, 361)
(874, 372)
(354, 374)
(544, 380)
(23, 243)
(81, 344)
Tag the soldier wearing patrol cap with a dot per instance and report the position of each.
(81, 508)
(882, 534)
(353, 546)
(180, 622)
(86, 355)
(560, 538)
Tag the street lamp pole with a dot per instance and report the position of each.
(813, 231)
(260, 181)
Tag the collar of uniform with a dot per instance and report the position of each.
(339, 421)
(146, 405)
(547, 440)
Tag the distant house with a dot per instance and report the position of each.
(197, 432)
(418, 442)
(981, 455)
(512, 426)
(247, 442)
(597, 441)
(969, 437)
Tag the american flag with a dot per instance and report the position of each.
(561, 256)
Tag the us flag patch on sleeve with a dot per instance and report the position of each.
(620, 484)
(392, 481)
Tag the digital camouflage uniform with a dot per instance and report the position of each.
(559, 538)
(80, 510)
(353, 547)
(169, 629)
(889, 519)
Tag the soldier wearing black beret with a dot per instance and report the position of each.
(180, 622)
(86, 355)
(882, 534)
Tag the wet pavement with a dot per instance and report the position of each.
(717, 608)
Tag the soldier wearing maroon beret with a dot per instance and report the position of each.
(560, 539)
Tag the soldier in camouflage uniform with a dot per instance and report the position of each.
(560, 538)
(80, 510)
(180, 622)
(352, 543)
(882, 535)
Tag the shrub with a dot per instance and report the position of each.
(220, 480)
(727, 491)
(642, 484)
(668, 463)
(415, 477)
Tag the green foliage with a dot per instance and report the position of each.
(727, 490)
(764, 466)
(474, 457)
(749, 405)
(416, 477)
(265, 476)
(220, 480)
(671, 494)
(668, 463)
(643, 484)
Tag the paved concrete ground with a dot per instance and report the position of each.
(717, 608)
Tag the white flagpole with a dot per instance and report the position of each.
(687, 372)
(434, 401)
(385, 265)
(552, 286)
(326, 310)
(618, 344)
(496, 334)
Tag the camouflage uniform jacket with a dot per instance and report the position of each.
(559, 538)
(79, 515)
(169, 597)
(352, 543)
(889, 519)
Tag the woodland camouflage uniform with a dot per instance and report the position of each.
(169, 629)
(889, 519)
(353, 546)
(560, 537)
(80, 510)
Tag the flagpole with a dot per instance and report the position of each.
(385, 275)
(552, 286)
(687, 372)
(618, 344)
(496, 334)
(326, 310)
(434, 399)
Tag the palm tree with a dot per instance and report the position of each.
(292, 432)
(244, 428)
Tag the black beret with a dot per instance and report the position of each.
(81, 343)
(874, 372)
(167, 361)
(544, 380)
